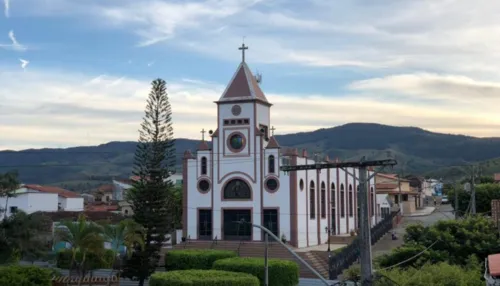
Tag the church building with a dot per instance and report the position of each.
(238, 177)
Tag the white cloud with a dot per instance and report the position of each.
(67, 110)
(6, 5)
(16, 46)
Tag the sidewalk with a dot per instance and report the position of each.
(421, 212)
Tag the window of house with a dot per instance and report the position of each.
(396, 199)
(271, 164)
(13, 210)
(351, 210)
(342, 201)
(312, 198)
(405, 198)
(246, 121)
(323, 200)
(204, 166)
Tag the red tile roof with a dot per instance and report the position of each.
(108, 188)
(203, 146)
(386, 186)
(243, 86)
(494, 264)
(125, 181)
(392, 176)
(53, 190)
(496, 177)
(273, 144)
(101, 207)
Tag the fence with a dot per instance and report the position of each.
(350, 253)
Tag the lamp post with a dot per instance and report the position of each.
(328, 231)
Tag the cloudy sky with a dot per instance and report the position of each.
(77, 72)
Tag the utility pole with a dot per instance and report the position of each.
(365, 242)
(266, 263)
(473, 191)
(400, 196)
(457, 186)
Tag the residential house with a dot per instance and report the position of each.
(416, 185)
(399, 192)
(35, 198)
(496, 178)
(104, 193)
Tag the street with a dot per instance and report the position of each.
(386, 244)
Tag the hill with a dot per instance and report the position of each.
(418, 151)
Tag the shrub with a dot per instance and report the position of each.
(281, 272)
(202, 259)
(92, 260)
(202, 277)
(431, 274)
(25, 275)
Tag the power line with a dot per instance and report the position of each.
(409, 259)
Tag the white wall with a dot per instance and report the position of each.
(31, 202)
(74, 204)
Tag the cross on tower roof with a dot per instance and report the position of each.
(203, 134)
(242, 49)
(272, 130)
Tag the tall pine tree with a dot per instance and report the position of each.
(152, 195)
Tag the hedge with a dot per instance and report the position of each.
(92, 260)
(25, 275)
(281, 272)
(202, 277)
(201, 259)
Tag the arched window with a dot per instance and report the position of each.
(237, 189)
(372, 195)
(332, 195)
(351, 210)
(323, 200)
(271, 164)
(312, 204)
(203, 165)
(342, 201)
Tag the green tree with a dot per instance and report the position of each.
(127, 233)
(9, 183)
(485, 193)
(84, 237)
(454, 241)
(151, 196)
(440, 274)
(26, 236)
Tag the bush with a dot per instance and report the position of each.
(92, 260)
(432, 274)
(202, 277)
(281, 272)
(25, 276)
(201, 259)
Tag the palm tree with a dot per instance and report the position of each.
(127, 233)
(9, 183)
(84, 237)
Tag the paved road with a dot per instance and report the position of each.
(386, 244)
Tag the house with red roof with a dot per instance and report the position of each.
(398, 191)
(32, 198)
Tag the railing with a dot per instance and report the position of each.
(350, 254)
(214, 243)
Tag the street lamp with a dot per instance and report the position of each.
(328, 231)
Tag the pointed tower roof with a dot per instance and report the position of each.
(243, 86)
(273, 143)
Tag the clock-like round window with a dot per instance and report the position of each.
(236, 142)
(236, 110)
(271, 184)
(203, 185)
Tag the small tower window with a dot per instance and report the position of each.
(271, 164)
(203, 165)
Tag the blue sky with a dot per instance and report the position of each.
(432, 64)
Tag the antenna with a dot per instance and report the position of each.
(258, 77)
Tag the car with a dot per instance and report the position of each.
(444, 200)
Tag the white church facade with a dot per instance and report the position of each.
(239, 177)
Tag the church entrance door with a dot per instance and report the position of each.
(236, 231)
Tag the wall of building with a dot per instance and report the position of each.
(31, 202)
(74, 204)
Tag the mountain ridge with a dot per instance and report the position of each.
(417, 150)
